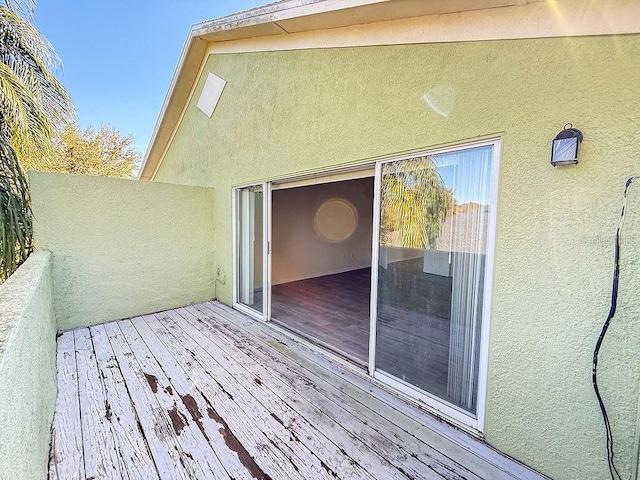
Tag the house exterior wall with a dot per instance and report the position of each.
(289, 112)
(27, 369)
(127, 248)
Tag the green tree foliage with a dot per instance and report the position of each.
(33, 104)
(88, 152)
(414, 203)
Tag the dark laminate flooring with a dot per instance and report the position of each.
(414, 312)
(332, 309)
(413, 323)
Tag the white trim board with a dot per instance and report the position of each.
(560, 18)
(340, 175)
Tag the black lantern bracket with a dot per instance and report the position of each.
(566, 146)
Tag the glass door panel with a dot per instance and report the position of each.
(250, 247)
(434, 214)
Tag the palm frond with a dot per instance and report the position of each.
(32, 58)
(33, 105)
(21, 112)
(16, 225)
(25, 8)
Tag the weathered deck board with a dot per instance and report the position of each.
(367, 396)
(355, 437)
(66, 440)
(287, 417)
(280, 454)
(119, 411)
(216, 401)
(385, 419)
(171, 461)
(196, 450)
(195, 403)
(101, 455)
(205, 392)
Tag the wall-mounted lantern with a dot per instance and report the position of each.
(566, 146)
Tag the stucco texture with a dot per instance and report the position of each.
(121, 247)
(27, 370)
(289, 112)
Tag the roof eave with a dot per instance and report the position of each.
(283, 17)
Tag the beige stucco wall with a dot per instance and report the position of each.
(288, 112)
(27, 369)
(122, 248)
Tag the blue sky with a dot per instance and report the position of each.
(119, 56)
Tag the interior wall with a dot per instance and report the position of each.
(298, 251)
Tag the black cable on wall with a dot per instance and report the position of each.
(612, 311)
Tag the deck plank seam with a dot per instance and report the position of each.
(94, 425)
(101, 376)
(210, 459)
(262, 434)
(197, 422)
(311, 384)
(56, 425)
(333, 369)
(75, 357)
(411, 410)
(288, 403)
(347, 431)
(189, 469)
(132, 406)
(121, 464)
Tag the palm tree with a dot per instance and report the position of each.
(33, 105)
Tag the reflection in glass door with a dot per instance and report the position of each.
(250, 247)
(432, 250)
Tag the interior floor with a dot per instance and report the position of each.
(332, 309)
(414, 322)
(413, 330)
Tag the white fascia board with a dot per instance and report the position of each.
(278, 11)
(187, 52)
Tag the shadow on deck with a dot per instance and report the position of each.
(205, 392)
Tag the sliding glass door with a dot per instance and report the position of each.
(430, 290)
(432, 235)
(251, 257)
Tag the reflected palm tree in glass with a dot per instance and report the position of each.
(432, 245)
(414, 203)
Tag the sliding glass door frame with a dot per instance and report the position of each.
(266, 249)
(431, 402)
(434, 403)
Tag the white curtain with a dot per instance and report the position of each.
(467, 246)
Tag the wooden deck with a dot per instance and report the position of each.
(204, 392)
